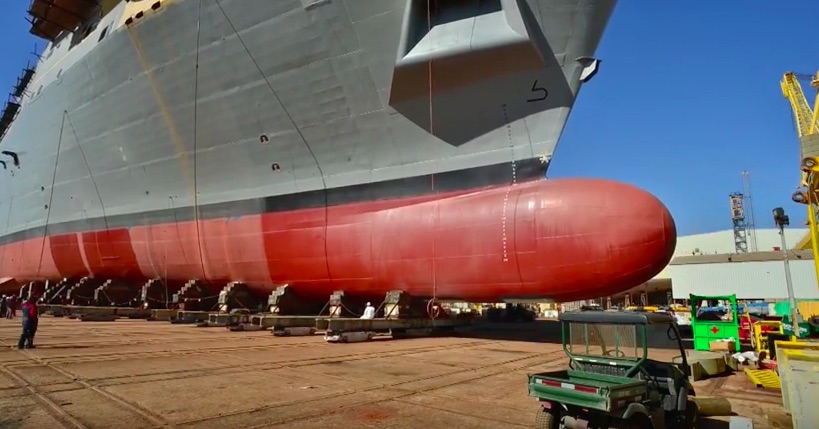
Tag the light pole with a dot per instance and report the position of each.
(781, 220)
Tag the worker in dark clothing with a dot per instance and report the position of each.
(11, 307)
(30, 322)
(2, 306)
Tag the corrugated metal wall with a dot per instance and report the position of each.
(723, 241)
(749, 280)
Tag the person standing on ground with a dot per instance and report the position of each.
(2, 306)
(11, 307)
(369, 312)
(30, 322)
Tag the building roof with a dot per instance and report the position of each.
(741, 257)
(723, 241)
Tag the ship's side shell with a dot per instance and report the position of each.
(559, 239)
(252, 140)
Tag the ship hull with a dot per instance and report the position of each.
(180, 132)
(483, 245)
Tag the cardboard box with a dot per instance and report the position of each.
(722, 346)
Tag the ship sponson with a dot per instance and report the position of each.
(254, 140)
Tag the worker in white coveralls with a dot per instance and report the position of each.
(369, 312)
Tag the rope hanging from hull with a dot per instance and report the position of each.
(432, 304)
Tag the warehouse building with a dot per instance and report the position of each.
(758, 275)
(706, 264)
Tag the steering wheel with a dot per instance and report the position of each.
(615, 353)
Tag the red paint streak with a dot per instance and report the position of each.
(169, 251)
(294, 245)
(559, 239)
(110, 255)
(25, 257)
(65, 251)
(373, 415)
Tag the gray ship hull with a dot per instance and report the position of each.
(203, 110)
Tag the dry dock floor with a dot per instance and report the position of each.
(133, 374)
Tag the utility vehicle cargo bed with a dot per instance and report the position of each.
(583, 389)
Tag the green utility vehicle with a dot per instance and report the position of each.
(709, 326)
(611, 382)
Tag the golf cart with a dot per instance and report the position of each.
(611, 382)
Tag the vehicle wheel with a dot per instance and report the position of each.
(692, 415)
(546, 419)
(638, 421)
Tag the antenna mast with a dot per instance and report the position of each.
(750, 225)
(738, 218)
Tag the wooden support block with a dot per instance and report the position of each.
(712, 405)
(780, 419)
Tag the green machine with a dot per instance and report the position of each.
(706, 329)
(806, 329)
(613, 382)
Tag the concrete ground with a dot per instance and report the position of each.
(133, 374)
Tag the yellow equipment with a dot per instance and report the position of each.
(763, 378)
(760, 337)
(808, 129)
(645, 308)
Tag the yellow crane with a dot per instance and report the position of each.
(807, 125)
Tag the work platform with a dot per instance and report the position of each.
(79, 311)
(304, 325)
(394, 326)
(281, 325)
(339, 325)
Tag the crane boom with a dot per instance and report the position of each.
(804, 115)
(808, 130)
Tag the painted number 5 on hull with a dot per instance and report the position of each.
(539, 93)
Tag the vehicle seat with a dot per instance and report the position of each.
(658, 369)
(666, 379)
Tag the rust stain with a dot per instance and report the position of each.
(373, 415)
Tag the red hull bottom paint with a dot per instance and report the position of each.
(554, 239)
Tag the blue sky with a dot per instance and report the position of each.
(16, 44)
(687, 97)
